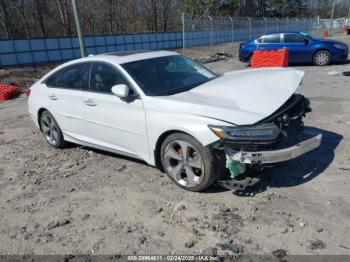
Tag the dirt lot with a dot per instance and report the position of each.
(78, 200)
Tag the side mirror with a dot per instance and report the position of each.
(306, 41)
(121, 91)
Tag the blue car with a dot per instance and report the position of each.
(303, 48)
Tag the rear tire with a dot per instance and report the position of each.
(51, 130)
(322, 58)
(188, 164)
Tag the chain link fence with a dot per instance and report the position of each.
(207, 35)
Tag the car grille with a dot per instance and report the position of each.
(252, 145)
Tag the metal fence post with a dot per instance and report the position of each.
(277, 25)
(183, 33)
(265, 24)
(211, 33)
(332, 18)
(348, 20)
(232, 35)
(250, 27)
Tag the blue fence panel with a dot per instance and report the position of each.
(25, 58)
(76, 52)
(22, 46)
(7, 46)
(22, 52)
(65, 43)
(75, 42)
(100, 40)
(9, 60)
(119, 39)
(52, 44)
(110, 40)
(89, 41)
(37, 44)
(54, 55)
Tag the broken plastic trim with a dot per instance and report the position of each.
(236, 168)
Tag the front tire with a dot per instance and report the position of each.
(250, 60)
(188, 164)
(51, 130)
(322, 58)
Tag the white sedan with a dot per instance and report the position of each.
(174, 114)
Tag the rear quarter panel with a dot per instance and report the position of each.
(37, 99)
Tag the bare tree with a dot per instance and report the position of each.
(40, 7)
(64, 10)
(5, 19)
(50, 18)
(165, 6)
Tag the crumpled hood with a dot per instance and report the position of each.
(241, 97)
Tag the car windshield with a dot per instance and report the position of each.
(168, 75)
(307, 35)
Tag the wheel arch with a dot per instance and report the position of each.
(40, 111)
(321, 49)
(159, 143)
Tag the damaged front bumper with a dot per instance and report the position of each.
(274, 156)
(236, 161)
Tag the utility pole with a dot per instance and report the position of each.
(79, 31)
(332, 18)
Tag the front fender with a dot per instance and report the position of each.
(158, 123)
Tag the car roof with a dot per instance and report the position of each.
(125, 57)
(113, 58)
(283, 32)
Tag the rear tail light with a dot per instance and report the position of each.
(27, 91)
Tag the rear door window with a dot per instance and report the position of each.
(74, 77)
(272, 39)
(293, 38)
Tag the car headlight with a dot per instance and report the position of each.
(340, 46)
(264, 131)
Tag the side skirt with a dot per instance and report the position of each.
(87, 144)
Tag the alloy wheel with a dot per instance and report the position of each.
(49, 129)
(184, 163)
(322, 58)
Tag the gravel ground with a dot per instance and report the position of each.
(83, 201)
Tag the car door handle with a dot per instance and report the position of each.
(90, 102)
(53, 97)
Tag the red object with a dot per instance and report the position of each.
(4, 96)
(27, 91)
(346, 28)
(325, 34)
(8, 91)
(272, 58)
